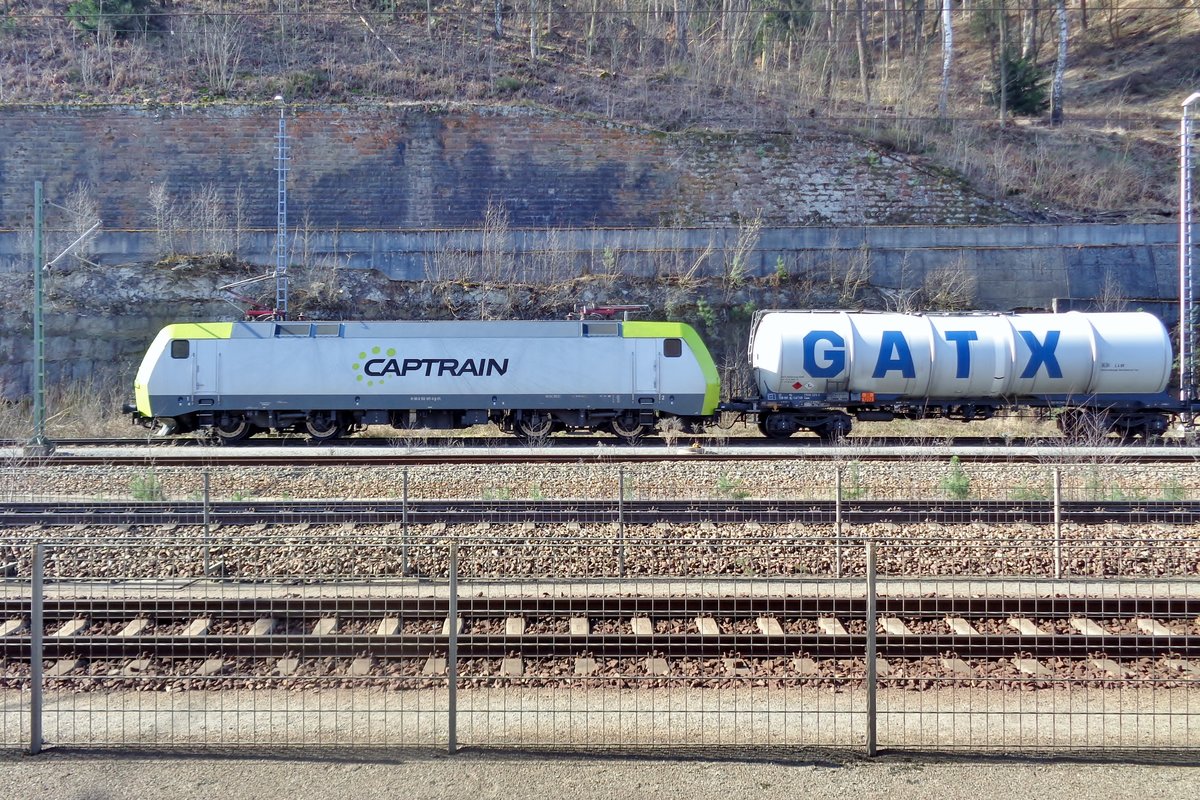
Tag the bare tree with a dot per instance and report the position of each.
(217, 43)
(681, 29)
(1060, 65)
(860, 40)
(947, 57)
(1029, 45)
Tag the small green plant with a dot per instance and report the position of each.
(239, 495)
(535, 492)
(852, 485)
(1027, 492)
(781, 271)
(1174, 491)
(506, 84)
(608, 258)
(957, 483)
(707, 314)
(498, 493)
(731, 488)
(146, 487)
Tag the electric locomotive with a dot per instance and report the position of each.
(331, 378)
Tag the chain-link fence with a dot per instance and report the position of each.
(589, 605)
(509, 638)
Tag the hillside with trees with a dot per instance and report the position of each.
(1071, 108)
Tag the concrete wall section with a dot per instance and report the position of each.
(1016, 266)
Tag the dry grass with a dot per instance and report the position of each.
(74, 410)
(744, 71)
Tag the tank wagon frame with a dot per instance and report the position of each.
(821, 370)
(331, 378)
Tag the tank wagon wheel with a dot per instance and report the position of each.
(833, 431)
(780, 429)
(323, 427)
(535, 425)
(627, 428)
(232, 430)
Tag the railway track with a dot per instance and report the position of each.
(607, 627)
(639, 512)
(366, 452)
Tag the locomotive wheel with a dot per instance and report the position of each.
(233, 430)
(322, 427)
(535, 425)
(627, 429)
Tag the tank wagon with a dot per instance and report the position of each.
(819, 370)
(331, 378)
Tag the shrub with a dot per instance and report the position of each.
(146, 487)
(120, 17)
(1026, 84)
(957, 483)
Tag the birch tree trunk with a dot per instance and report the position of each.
(499, 11)
(1060, 65)
(533, 48)
(947, 57)
(860, 41)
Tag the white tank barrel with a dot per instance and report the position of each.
(960, 355)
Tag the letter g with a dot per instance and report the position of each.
(833, 357)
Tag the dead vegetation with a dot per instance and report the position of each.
(734, 65)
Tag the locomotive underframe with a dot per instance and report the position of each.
(235, 425)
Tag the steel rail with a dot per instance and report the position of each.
(692, 645)
(510, 442)
(249, 608)
(381, 512)
(353, 452)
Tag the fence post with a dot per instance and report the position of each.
(404, 528)
(837, 522)
(871, 651)
(207, 555)
(452, 654)
(621, 522)
(36, 628)
(1057, 523)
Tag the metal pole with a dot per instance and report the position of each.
(621, 522)
(837, 522)
(39, 444)
(1186, 287)
(871, 651)
(404, 528)
(452, 653)
(207, 530)
(281, 234)
(1057, 523)
(36, 626)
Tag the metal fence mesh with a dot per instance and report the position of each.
(583, 629)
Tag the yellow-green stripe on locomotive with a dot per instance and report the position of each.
(326, 378)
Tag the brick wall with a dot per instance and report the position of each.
(416, 166)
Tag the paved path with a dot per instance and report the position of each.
(415, 776)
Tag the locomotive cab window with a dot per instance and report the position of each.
(180, 348)
(672, 348)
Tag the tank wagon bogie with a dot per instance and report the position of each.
(330, 378)
(819, 370)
